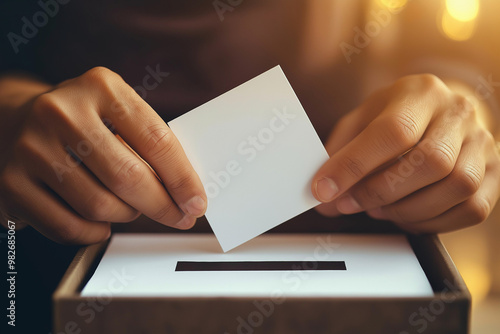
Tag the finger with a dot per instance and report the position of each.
(6, 217)
(56, 221)
(399, 127)
(51, 216)
(462, 183)
(346, 129)
(80, 189)
(148, 135)
(351, 124)
(124, 174)
(431, 160)
(328, 209)
(472, 211)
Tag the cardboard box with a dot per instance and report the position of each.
(448, 311)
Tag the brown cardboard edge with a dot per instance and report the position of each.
(444, 277)
(430, 252)
(77, 274)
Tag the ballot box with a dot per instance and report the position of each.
(275, 283)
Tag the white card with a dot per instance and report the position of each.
(256, 152)
(148, 265)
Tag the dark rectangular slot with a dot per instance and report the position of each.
(259, 265)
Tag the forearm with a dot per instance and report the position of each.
(17, 90)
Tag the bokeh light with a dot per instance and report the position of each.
(463, 10)
(455, 29)
(458, 20)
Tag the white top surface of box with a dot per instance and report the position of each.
(145, 265)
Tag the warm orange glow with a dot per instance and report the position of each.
(394, 4)
(477, 278)
(472, 261)
(463, 10)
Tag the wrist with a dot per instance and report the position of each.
(15, 91)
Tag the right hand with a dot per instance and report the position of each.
(74, 200)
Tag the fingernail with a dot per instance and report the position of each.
(196, 206)
(347, 204)
(326, 189)
(185, 222)
(376, 213)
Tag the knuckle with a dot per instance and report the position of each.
(462, 107)
(49, 110)
(47, 105)
(430, 81)
(403, 130)
(420, 82)
(68, 233)
(99, 74)
(121, 109)
(160, 143)
(133, 215)
(106, 233)
(370, 195)
(130, 173)
(467, 180)
(164, 213)
(180, 182)
(441, 159)
(353, 166)
(44, 101)
(98, 236)
(478, 209)
(102, 78)
(99, 207)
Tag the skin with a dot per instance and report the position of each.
(416, 153)
(74, 200)
(456, 176)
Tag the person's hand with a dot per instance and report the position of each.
(69, 176)
(415, 154)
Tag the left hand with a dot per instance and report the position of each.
(414, 153)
